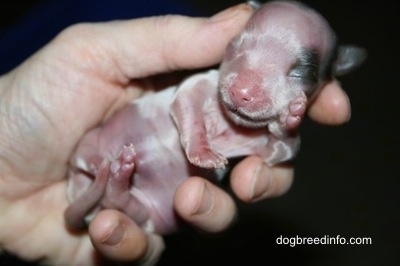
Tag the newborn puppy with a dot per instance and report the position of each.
(252, 105)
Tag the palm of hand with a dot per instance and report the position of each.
(75, 93)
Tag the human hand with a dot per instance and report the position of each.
(65, 89)
(76, 82)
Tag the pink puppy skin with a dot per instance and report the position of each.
(252, 105)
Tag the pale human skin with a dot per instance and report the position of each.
(78, 80)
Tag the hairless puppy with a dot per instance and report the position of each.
(252, 105)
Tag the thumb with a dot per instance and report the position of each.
(147, 46)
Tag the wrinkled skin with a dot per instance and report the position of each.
(253, 105)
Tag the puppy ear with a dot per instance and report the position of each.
(349, 57)
(254, 4)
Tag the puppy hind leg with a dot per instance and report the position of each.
(77, 211)
(118, 191)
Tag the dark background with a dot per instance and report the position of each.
(347, 177)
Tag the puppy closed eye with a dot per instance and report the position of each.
(306, 68)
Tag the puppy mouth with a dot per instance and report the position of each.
(244, 117)
(241, 115)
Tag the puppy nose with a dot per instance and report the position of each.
(241, 96)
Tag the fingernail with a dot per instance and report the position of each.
(261, 181)
(348, 118)
(230, 12)
(115, 236)
(206, 203)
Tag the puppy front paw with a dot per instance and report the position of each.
(295, 113)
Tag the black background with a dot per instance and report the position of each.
(347, 177)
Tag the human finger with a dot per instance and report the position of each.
(204, 205)
(117, 237)
(252, 180)
(332, 105)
